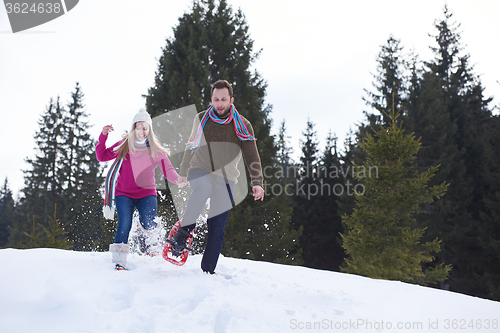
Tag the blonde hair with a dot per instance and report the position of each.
(128, 143)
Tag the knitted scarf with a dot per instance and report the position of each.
(109, 190)
(239, 127)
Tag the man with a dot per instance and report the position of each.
(219, 137)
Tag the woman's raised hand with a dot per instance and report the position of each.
(107, 129)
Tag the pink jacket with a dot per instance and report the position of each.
(137, 177)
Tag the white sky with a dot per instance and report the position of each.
(317, 58)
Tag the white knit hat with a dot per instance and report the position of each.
(142, 115)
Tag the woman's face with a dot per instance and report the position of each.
(141, 130)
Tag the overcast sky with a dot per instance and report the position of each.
(316, 57)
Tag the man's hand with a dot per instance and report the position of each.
(182, 181)
(258, 193)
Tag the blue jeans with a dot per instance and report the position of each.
(125, 206)
(220, 192)
(215, 238)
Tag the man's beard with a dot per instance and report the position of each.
(225, 113)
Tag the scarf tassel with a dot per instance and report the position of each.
(108, 212)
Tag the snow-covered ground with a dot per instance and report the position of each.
(47, 290)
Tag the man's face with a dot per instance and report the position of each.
(221, 101)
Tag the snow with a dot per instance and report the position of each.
(48, 290)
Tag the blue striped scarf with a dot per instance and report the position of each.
(239, 127)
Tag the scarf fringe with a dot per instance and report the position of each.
(109, 188)
(108, 212)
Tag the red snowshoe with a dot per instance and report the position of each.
(167, 249)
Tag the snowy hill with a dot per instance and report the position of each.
(47, 290)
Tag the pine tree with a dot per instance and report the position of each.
(394, 74)
(286, 169)
(64, 172)
(83, 179)
(391, 78)
(383, 240)
(326, 248)
(51, 236)
(351, 156)
(389, 82)
(212, 42)
(489, 237)
(443, 103)
(43, 181)
(284, 152)
(451, 115)
(306, 192)
(7, 212)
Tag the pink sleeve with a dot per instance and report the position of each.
(102, 153)
(167, 169)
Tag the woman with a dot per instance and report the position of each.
(135, 159)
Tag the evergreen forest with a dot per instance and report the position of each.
(413, 193)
